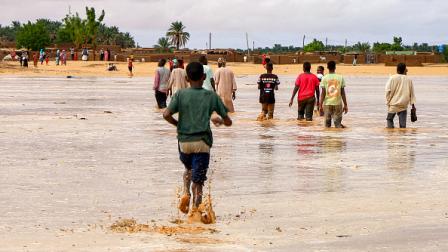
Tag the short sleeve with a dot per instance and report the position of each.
(298, 81)
(174, 104)
(277, 81)
(316, 81)
(323, 82)
(259, 82)
(342, 82)
(219, 106)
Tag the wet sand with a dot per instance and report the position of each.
(79, 154)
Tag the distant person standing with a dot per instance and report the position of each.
(25, 58)
(225, 85)
(72, 53)
(63, 58)
(41, 56)
(333, 100)
(399, 94)
(161, 84)
(106, 55)
(267, 84)
(178, 79)
(85, 54)
(307, 84)
(355, 60)
(47, 58)
(58, 57)
(101, 54)
(35, 60)
(209, 82)
(130, 66)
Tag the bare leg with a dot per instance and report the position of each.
(184, 204)
(187, 182)
(197, 194)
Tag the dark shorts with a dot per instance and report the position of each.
(130, 69)
(198, 164)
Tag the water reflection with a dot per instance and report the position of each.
(332, 148)
(401, 151)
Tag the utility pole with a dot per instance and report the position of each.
(247, 42)
(303, 42)
(210, 41)
(326, 43)
(253, 46)
(345, 47)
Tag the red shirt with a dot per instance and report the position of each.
(307, 83)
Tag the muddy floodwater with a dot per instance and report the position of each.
(77, 155)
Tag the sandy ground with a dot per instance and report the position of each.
(79, 154)
(98, 69)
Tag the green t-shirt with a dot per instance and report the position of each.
(333, 83)
(195, 107)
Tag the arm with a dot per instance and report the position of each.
(294, 92)
(413, 99)
(317, 95)
(388, 91)
(344, 99)
(168, 116)
(218, 121)
(322, 98)
(233, 87)
(157, 81)
(212, 82)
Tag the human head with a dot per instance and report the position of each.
(320, 69)
(195, 72)
(267, 60)
(203, 60)
(331, 65)
(401, 68)
(221, 62)
(269, 67)
(180, 63)
(162, 62)
(307, 67)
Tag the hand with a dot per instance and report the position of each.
(233, 96)
(217, 121)
(321, 110)
(345, 109)
(291, 102)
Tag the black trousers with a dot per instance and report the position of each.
(306, 108)
(161, 99)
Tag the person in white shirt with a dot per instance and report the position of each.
(399, 94)
(209, 82)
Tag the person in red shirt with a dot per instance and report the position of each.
(307, 84)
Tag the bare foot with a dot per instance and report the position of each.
(194, 216)
(184, 203)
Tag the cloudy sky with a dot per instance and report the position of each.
(267, 21)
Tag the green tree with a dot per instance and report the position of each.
(381, 47)
(398, 44)
(92, 27)
(314, 46)
(8, 33)
(163, 45)
(361, 47)
(177, 35)
(33, 36)
(73, 30)
(52, 27)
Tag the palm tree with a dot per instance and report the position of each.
(176, 34)
(163, 44)
(92, 26)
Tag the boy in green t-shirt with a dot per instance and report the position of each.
(332, 97)
(195, 106)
